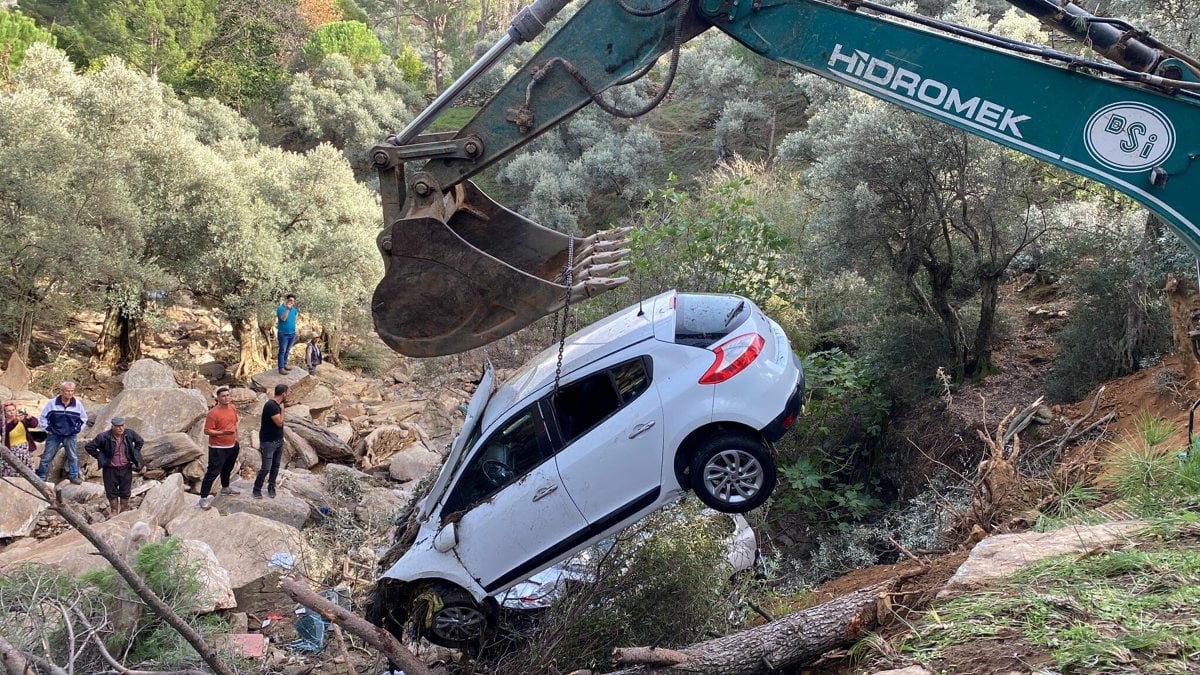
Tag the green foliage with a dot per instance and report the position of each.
(412, 68)
(663, 582)
(352, 12)
(351, 108)
(1120, 322)
(35, 600)
(829, 463)
(17, 32)
(1151, 478)
(716, 244)
(369, 356)
(1115, 612)
(353, 39)
(1072, 503)
(154, 36)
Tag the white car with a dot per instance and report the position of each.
(680, 392)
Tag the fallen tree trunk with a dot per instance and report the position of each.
(794, 639)
(375, 636)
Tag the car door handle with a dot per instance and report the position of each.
(641, 429)
(544, 492)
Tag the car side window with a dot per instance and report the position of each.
(512, 451)
(583, 404)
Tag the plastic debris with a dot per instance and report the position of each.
(283, 560)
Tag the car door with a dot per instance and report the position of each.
(516, 516)
(610, 425)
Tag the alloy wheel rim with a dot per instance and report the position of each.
(733, 476)
(459, 624)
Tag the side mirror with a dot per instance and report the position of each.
(445, 539)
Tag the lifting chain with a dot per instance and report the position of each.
(569, 279)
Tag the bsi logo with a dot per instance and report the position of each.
(1129, 136)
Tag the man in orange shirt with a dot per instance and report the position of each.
(221, 428)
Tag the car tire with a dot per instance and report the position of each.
(460, 623)
(733, 473)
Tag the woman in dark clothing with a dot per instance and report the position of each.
(17, 437)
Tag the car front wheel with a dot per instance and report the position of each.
(733, 474)
(460, 623)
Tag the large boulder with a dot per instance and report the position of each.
(16, 376)
(327, 446)
(413, 463)
(243, 542)
(19, 508)
(1001, 555)
(334, 376)
(284, 508)
(311, 487)
(149, 374)
(298, 452)
(73, 554)
(156, 411)
(343, 431)
(215, 589)
(318, 400)
(84, 493)
(166, 500)
(395, 412)
(169, 450)
(299, 383)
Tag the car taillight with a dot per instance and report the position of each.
(732, 358)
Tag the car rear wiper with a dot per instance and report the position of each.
(736, 310)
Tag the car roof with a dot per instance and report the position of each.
(622, 329)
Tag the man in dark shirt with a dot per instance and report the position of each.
(270, 442)
(119, 452)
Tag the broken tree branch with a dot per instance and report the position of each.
(787, 641)
(117, 668)
(376, 636)
(131, 577)
(1066, 438)
(17, 662)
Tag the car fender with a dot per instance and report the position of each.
(422, 561)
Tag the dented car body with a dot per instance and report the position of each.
(679, 392)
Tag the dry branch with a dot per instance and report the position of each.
(376, 636)
(793, 639)
(131, 577)
(17, 662)
(1066, 438)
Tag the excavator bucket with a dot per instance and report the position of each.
(482, 273)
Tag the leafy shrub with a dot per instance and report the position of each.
(367, 356)
(17, 32)
(828, 464)
(1151, 477)
(352, 39)
(664, 582)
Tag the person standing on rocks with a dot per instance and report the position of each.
(63, 418)
(17, 437)
(312, 355)
(119, 452)
(221, 428)
(286, 314)
(270, 442)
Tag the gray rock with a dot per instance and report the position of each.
(73, 554)
(84, 493)
(169, 450)
(215, 589)
(285, 508)
(213, 370)
(159, 411)
(318, 400)
(149, 374)
(327, 446)
(299, 383)
(19, 508)
(1001, 555)
(311, 487)
(297, 452)
(343, 431)
(165, 500)
(413, 463)
(244, 543)
(16, 376)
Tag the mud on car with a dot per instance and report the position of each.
(679, 392)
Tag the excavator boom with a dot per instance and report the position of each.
(462, 271)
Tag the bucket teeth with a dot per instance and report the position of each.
(593, 287)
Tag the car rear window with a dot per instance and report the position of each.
(701, 320)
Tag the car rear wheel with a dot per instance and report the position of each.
(460, 622)
(733, 474)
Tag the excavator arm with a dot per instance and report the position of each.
(462, 271)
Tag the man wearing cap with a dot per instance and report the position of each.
(119, 452)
